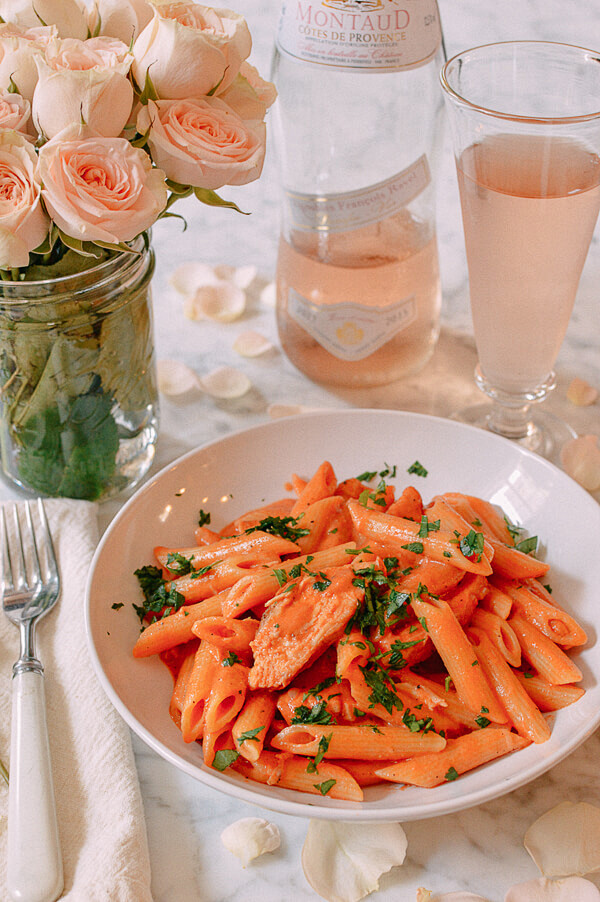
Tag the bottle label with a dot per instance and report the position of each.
(351, 331)
(354, 209)
(361, 34)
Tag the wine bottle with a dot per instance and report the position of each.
(358, 127)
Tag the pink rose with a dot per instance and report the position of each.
(23, 223)
(189, 49)
(15, 113)
(203, 142)
(19, 48)
(122, 19)
(83, 80)
(69, 16)
(249, 94)
(100, 189)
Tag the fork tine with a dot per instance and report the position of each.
(46, 542)
(20, 579)
(37, 572)
(7, 578)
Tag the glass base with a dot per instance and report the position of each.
(545, 434)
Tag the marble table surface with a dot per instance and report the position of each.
(481, 849)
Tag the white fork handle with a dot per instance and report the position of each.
(34, 866)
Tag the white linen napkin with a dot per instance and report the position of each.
(99, 807)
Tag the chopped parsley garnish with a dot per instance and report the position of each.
(418, 469)
(415, 547)
(527, 546)
(472, 545)
(285, 527)
(382, 687)
(249, 734)
(313, 765)
(416, 725)
(396, 660)
(158, 599)
(231, 659)
(427, 527)
(178, 564)
(201, 571)
(317, 714)
(325, 786)
(203, 518)
(381, 601)
(316, 690)
(378, 496)
(117, 606)
(515, 531)
(224, 758)
(482, 721)
(451, 774)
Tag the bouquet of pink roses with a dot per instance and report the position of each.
(110, 113)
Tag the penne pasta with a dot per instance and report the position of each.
(344, 638)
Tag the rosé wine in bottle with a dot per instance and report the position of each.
(358, 129)
(529, 206)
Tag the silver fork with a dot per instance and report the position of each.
(34, 866)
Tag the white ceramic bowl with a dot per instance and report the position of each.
(248, 468)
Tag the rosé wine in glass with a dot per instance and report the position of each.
(525, 119)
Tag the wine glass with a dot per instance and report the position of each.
(525, 123)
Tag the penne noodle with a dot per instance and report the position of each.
(397, 533)
(496, 602)
(543, 654)
(524, 715)
(460, 755)
(481, 515)
(253, 544)
(318, 518)
(367, 741)
(459, 657)
(176, 628)
(227, 695)
(500, 633)
(548, 617)
(276, 769)
(321, 485)
(515, 564)
(262, 585)
(548, 697)
(251, 726)
(226, 633)
(197, 691)
(409, 505)
(180, 686)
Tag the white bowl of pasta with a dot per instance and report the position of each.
(354, 615)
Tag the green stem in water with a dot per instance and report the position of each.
(3, 773)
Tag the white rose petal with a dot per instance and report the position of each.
(565, 841)
(222, 301)
(268, 296)
(175, 378)
(581, 460)
(188, 277)
(251, 344)
(242, 276)
(581, 393)
(250, 837)
(573, 889)
(343, 861)
(226, 382)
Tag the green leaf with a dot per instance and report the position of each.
(213, 200)
(224, 758)
(148, 91)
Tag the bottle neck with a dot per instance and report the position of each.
(361, 34)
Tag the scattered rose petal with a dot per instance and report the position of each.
(222, 301)
(565, 841)
(242, 276)
(343, 861)
(268, 296)
(188, 277)
(252, 344)
(459, 896)
(424, 895)
(250, 837)
(175, 378)
(581, 393)
(225, 382)
(581, 460)
(573, 889)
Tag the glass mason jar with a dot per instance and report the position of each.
(78, 393)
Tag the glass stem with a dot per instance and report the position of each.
(511, 422)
